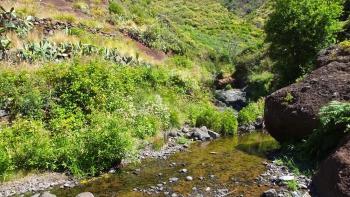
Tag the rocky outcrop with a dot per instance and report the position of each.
(234, 98)
(291, 112)
(333, 176)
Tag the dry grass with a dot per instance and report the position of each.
(60, 37)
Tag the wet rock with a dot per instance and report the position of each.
(213, 134)
(85, 194)
(270, 193)
(234, 98)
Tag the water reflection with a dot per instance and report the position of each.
(235, 164)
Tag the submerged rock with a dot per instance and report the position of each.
(292, 112)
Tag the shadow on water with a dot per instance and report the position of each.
(234, 161)
(257, 144)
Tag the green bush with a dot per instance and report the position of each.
(251, 112)
(5, 160)
(223, 122)
(115, 8)
(334, 125)
(29, 145)
(297, 30)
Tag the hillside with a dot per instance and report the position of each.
(71, 71)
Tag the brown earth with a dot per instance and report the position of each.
(333, 176)
(291, 112)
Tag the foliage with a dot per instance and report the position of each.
(223, 122)
(251, 112)
(115, 8)
(84, 116)
(297, 30)
(292, 185)
(334, 125)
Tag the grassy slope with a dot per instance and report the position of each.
(102, 101)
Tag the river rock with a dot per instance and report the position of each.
(85, 194)
(173, 179)
(3, 113)
(292, 112)
(213, 134)
(270, 193)
(47, 194)
(333, 176)
(286, 178)
(234, 98)
(189, 178)
(200, 134)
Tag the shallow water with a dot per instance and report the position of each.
(235, 162)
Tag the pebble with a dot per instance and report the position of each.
(207, 189)
(174, 195)
(183, 170)
(47, 194)
(173, 179)
(286, 178)
(85, 194)
(189, 178)
(211, 176)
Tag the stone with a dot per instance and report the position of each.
(85, 194)
(174, 195)
(173, 179)
(270, 193)
(234, 98)
(200, 134)
(47, 194)
(286, 178)
(3, 113)
(291, 113)
(213, 134)
(189, 178)
(173, 133)
(207, 189)
(183, 170)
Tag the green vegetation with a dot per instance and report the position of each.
(224, 122)
(292, 185)
(250, 113)
(335, 124)
(64, 116)
(297, 30)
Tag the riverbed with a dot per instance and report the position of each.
(224, 167)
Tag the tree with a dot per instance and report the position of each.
(297, 30)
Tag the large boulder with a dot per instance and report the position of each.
(291, 112)
(234, 98)
(333, 176)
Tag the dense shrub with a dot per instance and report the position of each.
(297, 30)
(223, 122)
(115, 8)
(83, 116)
(251, 112)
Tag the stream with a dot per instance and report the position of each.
(223, 167)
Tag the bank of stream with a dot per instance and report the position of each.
(224, 167)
